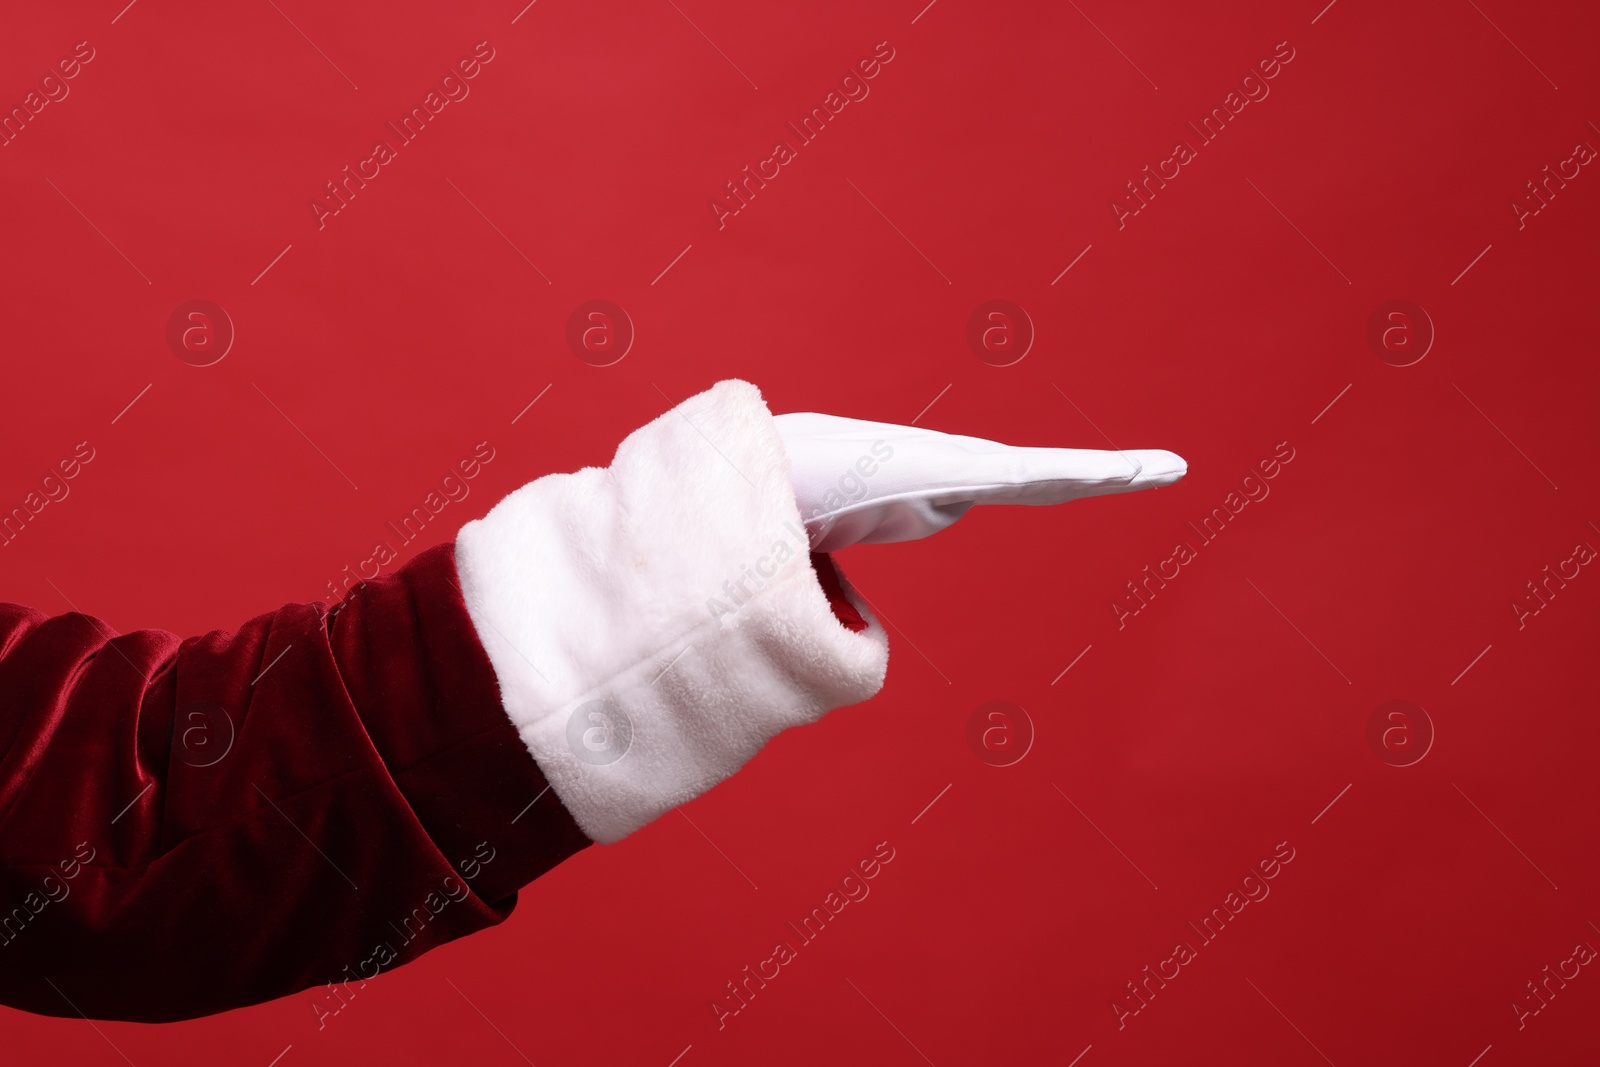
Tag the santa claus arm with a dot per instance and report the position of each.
(191, 825)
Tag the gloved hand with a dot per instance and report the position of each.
(874, 482)
(653, 623)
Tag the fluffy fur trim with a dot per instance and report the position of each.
(653, 623)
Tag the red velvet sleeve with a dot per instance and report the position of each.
(191, 825)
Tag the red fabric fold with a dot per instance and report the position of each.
(189, 825)
(828, 577)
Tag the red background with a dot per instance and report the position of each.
(1221, 320)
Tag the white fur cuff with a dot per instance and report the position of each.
(653, 623)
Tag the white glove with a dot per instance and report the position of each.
(873, 482)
